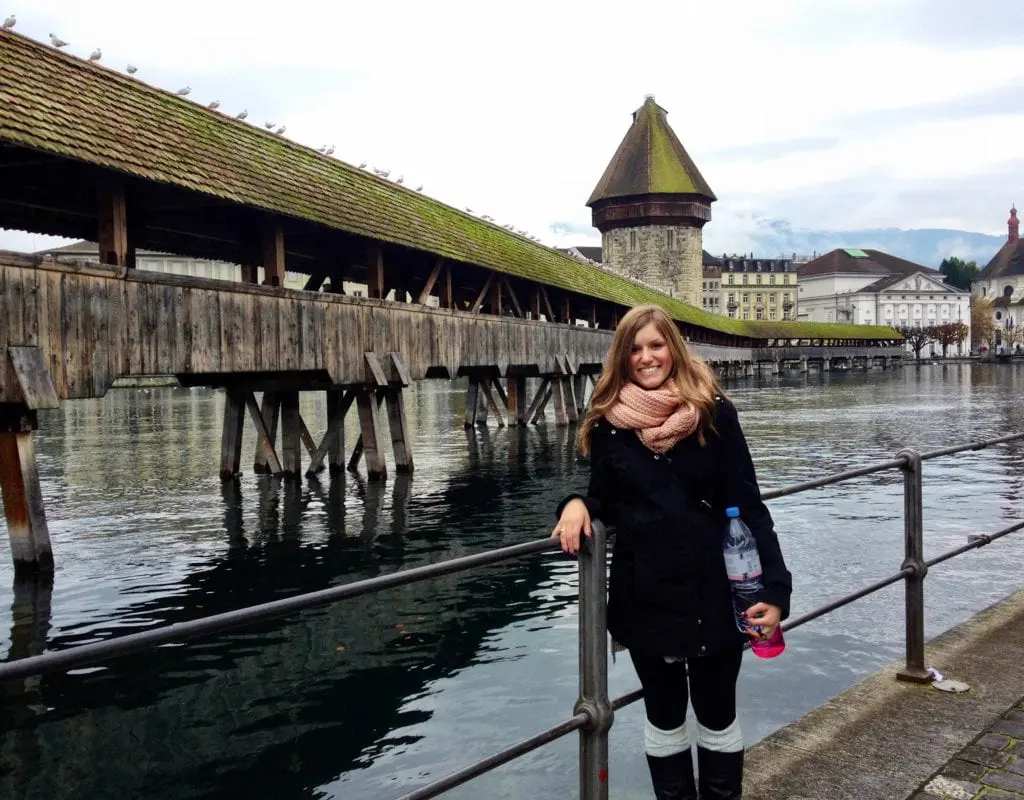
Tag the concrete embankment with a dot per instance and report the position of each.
(885, 739)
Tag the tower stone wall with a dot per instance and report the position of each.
(667, 257)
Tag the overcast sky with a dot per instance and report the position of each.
(831, 114)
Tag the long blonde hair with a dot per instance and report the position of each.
(694, 378)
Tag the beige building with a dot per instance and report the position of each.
(650, 206)
(752, 288)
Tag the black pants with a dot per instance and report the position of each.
(712, 688)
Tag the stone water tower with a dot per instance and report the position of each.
(650, 206)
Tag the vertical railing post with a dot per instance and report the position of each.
(913, 543)
(593, 700)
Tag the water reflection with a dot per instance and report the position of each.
(371, 697)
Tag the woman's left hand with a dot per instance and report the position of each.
(764, 616)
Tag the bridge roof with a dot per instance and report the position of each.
(55, 103)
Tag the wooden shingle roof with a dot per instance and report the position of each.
(1006, 263)
(650, 160)
(55, 103)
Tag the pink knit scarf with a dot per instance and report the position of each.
(659, 416)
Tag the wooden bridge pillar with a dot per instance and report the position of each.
(517, 400)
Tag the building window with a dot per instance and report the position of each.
(746, 315)
(632, 241)
(670, 240)
(771, 314)
(785, 295)
(757, 279)
(771, 279)
(760, 297)
(746, 297)
(744, 279)
(760, 313)
(732, 296)
(771, 299)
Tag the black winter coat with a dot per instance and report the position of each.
(668, 593)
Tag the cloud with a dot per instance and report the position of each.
(774, 149)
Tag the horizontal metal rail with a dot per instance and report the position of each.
(81, 655)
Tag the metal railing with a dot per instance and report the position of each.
(594, 711)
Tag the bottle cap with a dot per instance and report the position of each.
(732, 512)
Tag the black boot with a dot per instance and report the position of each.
(673, 776)
(721, 774)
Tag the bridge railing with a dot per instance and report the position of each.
(593, 712)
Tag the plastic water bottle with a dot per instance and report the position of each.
(743, 566)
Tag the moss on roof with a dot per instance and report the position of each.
(53, 102)
(650, 160)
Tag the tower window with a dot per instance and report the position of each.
(632, 241)
(670, 240)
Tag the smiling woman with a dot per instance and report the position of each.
(667, 458)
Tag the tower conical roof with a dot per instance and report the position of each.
(650, 160)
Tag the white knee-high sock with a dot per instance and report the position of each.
(659, 743)
(729, 740)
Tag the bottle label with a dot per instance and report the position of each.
(742, 566)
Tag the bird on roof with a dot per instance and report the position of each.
(322, 148)
(268, 125)
(469, 210)
(243, 115)
(131, 69)
(329, 150)
(97, 54)
(362, 165)
(10, 22)
(400, 179)
(385, 173)
(419, 188)
(57, 42)
(280, 130)
(214, 105)
(183, 91)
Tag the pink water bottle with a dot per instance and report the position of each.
(743, 566)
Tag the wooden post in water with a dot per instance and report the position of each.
(372, 437)
(336, 410)
(231, 437)
(291, 435)
(270, 412)
(517, 399)
(398, 424)
(472, 398)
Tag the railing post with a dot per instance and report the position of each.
(913, 543)
(593, 636)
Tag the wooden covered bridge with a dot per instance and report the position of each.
(88, 153)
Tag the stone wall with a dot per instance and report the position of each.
(645, 253)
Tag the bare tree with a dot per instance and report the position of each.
(918, 338)
(949, 334)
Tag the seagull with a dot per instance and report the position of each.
(362, 165)
(214, 105)
(57, 42)
(400, 179)
(280, 130)
(268, 125)
(385, 173)
(469, 210)
(329, 150)
(132, 69)
(243, 115)
(97, 54)
(183, 92)
(419, 188)
(10, 22)
(322, 148)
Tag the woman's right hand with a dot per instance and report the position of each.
(575, 518)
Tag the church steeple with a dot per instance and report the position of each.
(1013, 226)
(650, 206)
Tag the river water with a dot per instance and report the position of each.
(373, 697)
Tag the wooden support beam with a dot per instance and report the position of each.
(315, 281)
(401, 442)
(447, 294)
(333, 444)
(518, 309)
(291, 436)
(428, 287)
(270, 412)
(593, 314)
(558, 394)
(500, 390)
(372, 436)
(485, 386)
(471, 400)
(475, 308)
(23, 503)
(231, 435)
(265, 452)
(567, 310)
(535, 304)
(112, 214)
(307, 437)
(547, 305)
(580, 392)
(495, 301)
(375, 278)
(539, 401)
(516, 401)
(273, 254)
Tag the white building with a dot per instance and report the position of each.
(869, 287)
(1002, 282)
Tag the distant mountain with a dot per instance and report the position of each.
(927, 246)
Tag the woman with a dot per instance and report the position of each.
(667, 457)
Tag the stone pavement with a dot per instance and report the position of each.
(992, 766)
